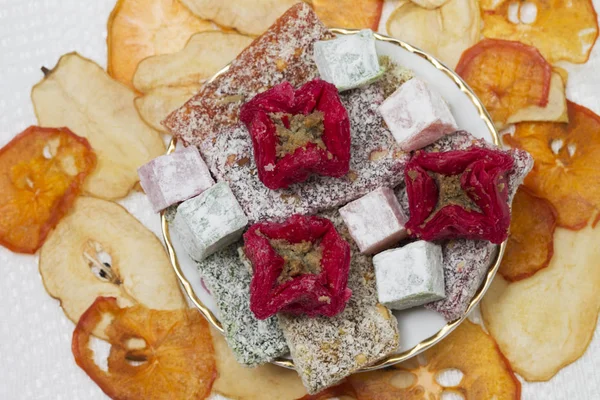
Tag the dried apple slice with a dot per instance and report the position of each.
(555, 110)
(158, 103)
(154, 355)
(140, 28)
(430, 4)
(507, 76)
(263, 382)
(42, 171)
(445, 32)
(468, 352)
(567, 161)
(531, 240)
(546, 322)
(203, 56)
(78, 94)
(349, 13)
(561, 30)
(249, 17)
(99, 249)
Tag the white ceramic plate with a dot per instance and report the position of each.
(419, 328)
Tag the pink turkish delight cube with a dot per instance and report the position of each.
(375, 221)
(174, 178)
(417, 115)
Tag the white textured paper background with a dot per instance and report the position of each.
(35, 336)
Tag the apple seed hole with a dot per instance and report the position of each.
(556, 145)
(450, 377)
(528, 12)
(513, 12)
(571, 148)
(403, 380)
(451, 395)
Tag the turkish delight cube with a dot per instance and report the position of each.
(417, 115)
(175, 177)
(375, 221)
(410, 276)
(252, 341)
(348, 61)
(209, 222)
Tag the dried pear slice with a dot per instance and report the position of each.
(251, 17)
(203, 56)
(158, 103)
(78, 94)
(100, 249)
(546, 322)
(263, 382)
(445, 32)
(142, 28)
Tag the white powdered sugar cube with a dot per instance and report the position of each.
(348, 61)
(174, 178)
(375, 221)
(209, 222)
(410, 276)
(417, 115)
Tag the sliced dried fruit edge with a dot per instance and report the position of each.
(350, 14)
(507, 76)
(154, 355)
(531, 240)
(567, 164)
(486, 373)
(42, 171)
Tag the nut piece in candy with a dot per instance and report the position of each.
(154, 354)
(140, 28)
(42, 171)
(546, 322)
(296, 133)
(99, 249)
(248, 17)
(459, 194)
(300, 266)
(445, 31)
(507, 76)
(78, 94)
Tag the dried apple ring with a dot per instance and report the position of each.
(42, 171)
(154, 354)
(349, 13)
(561, 30)
(531, 241)
(567, 163)
(507, 76)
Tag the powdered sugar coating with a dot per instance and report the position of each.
(466, 262)
(326, 350)
(283, 53)
(230, 156)
(252, 341)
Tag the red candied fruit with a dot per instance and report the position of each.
(459, 194)
(296, 133)
(300, 266)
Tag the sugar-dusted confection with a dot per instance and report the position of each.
(283, 53)
(252, 341)
(417, 115)
(348, 61)
(410, 276)
(209, 222)
(466, 262)
(375, 221)
(175, 177)
(326, 350)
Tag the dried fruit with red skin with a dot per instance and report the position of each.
(173, 349)
(531, 240)
(42, 171)
(322, 291)
(567, 163)
(507, 76)
(315, 96)
(468, 200)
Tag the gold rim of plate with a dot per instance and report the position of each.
(450, 326)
